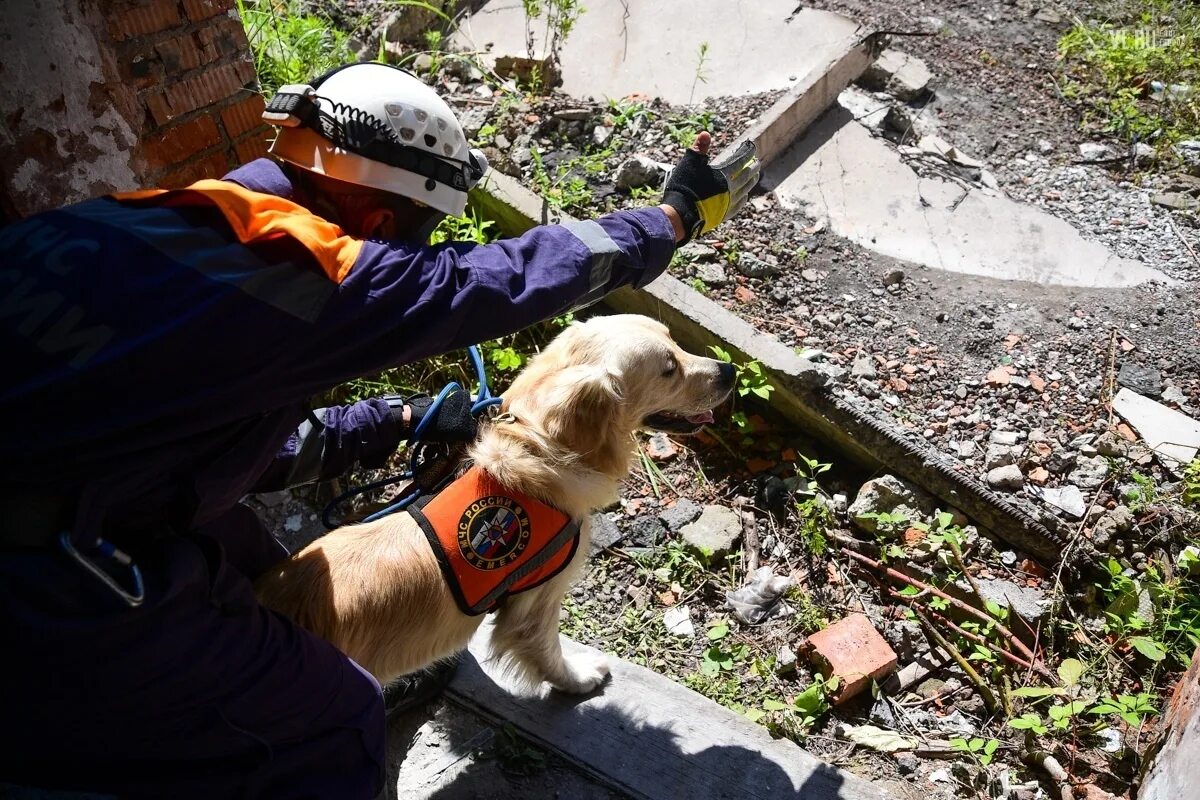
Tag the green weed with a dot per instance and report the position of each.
(1112, 64)
(289, 44)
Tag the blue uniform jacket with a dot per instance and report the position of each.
(159, 353)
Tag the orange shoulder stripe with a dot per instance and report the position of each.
(256, 216)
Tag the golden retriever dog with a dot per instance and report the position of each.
(376, 590)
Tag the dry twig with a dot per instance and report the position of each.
(961, 606)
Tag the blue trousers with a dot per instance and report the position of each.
(199, 693)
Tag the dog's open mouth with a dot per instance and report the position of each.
(678, 423)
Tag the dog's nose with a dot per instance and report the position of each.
(727, 373)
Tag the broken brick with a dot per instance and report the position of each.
(1037, 382)
(1000, 376)
(853, 651)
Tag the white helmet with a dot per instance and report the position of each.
(376, 125)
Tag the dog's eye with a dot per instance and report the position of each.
(671, 369)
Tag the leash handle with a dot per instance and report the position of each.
(484, 399)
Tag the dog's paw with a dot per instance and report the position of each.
(585, 671)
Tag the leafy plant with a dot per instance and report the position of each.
(1029, 721)
(467, 228)
(1131, 708)
(752, 378)
(980, 750)
(561, 16)
(683, 131)
(808, 706)
(699, 76)
(290, 44)
(1190, 494)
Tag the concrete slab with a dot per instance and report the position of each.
(870, 196)
(621, 47)
(1173, 435)
(445, 752)
(652, 738)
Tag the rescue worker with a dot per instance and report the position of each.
(159, 349)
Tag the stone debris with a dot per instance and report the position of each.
(853, 651)
(660, 447)
(754, 267)
(1143, 380)
(640, 171)
(863, 366)
(1093, 151)
(785, 660)
(1068, 499)
(1172, 435)
(712, 274)
(680, 514)
(1030, 604)
(604, 532)
(714, 534)
(1089, 473)
(899, 74)
(886, 494)
(1009, 478)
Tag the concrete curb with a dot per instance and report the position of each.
(651, 738)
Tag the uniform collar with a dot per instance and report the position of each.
(266, 176)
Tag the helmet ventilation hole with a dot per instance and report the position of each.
(394, 109)
(447, 149)
(441, 124)
(430, 140)
(421, 115)
(407, 134)
(430, 184)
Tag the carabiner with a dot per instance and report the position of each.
(108, 550)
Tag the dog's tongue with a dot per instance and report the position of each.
(701, 419)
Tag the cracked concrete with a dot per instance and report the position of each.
(872, 197)
(622, 47)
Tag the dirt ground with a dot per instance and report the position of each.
(955, 359)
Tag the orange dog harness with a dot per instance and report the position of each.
(492, 542)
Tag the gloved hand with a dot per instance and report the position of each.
(705, 195)
(451, 422)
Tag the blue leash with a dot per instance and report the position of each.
(484, 399)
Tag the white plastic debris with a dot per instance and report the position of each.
(679, 621)
(755, 601)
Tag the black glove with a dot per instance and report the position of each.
(705, 195)
(451, 422)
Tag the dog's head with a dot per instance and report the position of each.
(600, 380)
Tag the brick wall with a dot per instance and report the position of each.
(104, 95)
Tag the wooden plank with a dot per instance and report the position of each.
(654, 739)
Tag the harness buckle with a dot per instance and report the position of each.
(107, 550)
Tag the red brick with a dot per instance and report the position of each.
(249, 149)
(181, 53)
(203, 9)
(242, 116)
(179, 142)
(854, 651)
(223, 37)
(196, 92)
(214, 165)
(152, 17)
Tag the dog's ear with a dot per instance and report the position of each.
(582, 406)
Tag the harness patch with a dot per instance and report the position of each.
(492, 532)
(491, 542)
